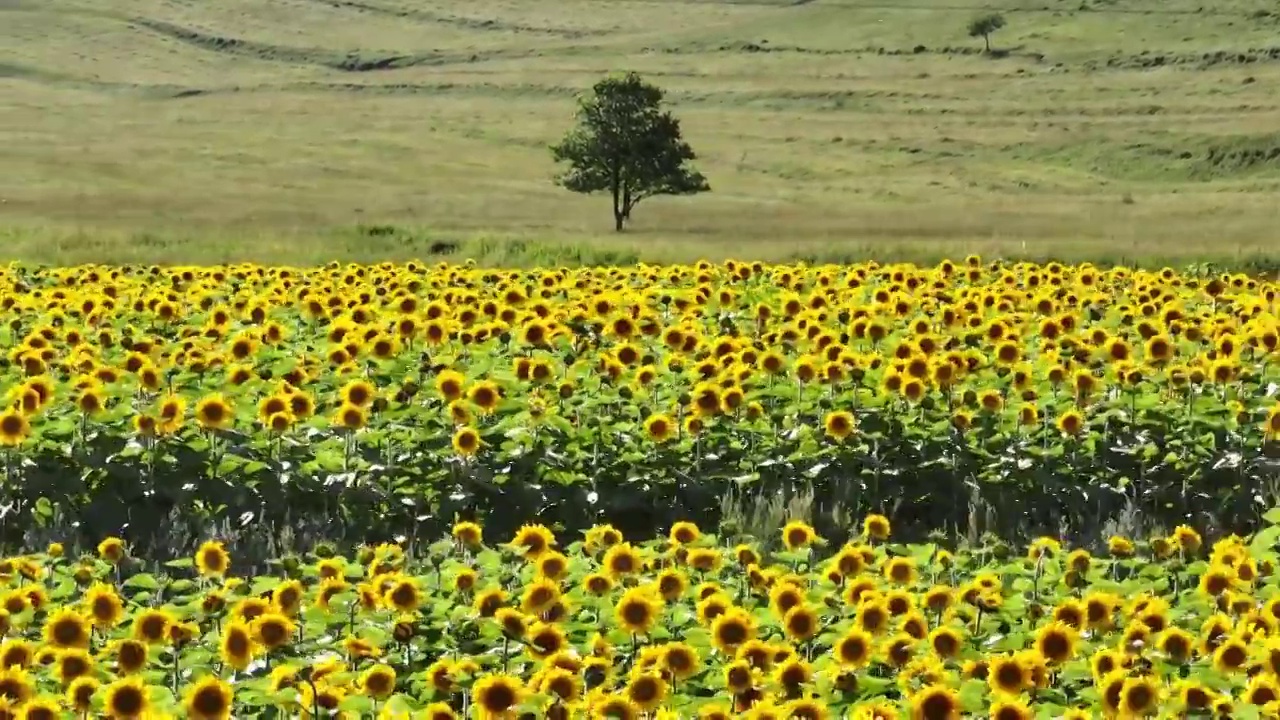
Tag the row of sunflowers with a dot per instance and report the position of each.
(684, 625)
(383, 397)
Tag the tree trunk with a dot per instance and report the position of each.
(987, 37)
(619, 214)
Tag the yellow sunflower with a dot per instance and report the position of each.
(214, 412)
(14, 428)
(466, 441)
(839, 425)
(67, 628)
(637, 610)
(209, 698)
(797, 534)
(127, 699)
(496, 695)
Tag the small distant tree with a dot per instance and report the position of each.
(625, 144)
(984, 25)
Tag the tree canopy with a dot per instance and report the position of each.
(984, 25)
(626, 144)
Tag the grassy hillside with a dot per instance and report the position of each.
(188, 130)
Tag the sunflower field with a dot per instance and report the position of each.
(683, 625)
(365, 403)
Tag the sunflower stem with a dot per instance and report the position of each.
(176, 655)
(315, 698)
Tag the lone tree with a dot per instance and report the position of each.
(626, 144)
(984, 25)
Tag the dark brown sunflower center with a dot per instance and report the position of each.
(13, 689)
(561, 686)
(127, 701)
(853, 649)
(936, 707)
(644, 690)
(274, 633)
(209, 700)
(403, 595)
(1009, 676)
(153, 627)
(733, 633)
(1055, 646)
(635, 613)
(68, 632)
(238, 644)
(498, 698)
(1139, 696)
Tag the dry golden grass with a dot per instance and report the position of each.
(169, 130)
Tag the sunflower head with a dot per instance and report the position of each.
(16, 685)
(731, 628)
(485, 395)
(41, 708)
(104, 607)
(638, 609)
(80, 693)
(1071, 422)
(403, 595)
(660, 427)
(1139, 695)
(797, 534)
(71, 664)
(67, 628)
(1231, 655)
(488, 602)
(839, 425)
(237, 647)
(14, 428)
(1194, 695)
(498, 694)
(854, 648)
(272, 630)
(1120, 547)
(704, 559)
(544, 639)
(876, 527)
(152, 625)
(210, 698)
(533, 540)
(1005, 674)
(467, 533)
(646, 690)
(466, 440)
(350, 417)
(1010, 709)
(1056, 641)
(900, 570)
(127, 698)
(935, 702)
(622, 560)
(378, 681)
(214, 412)
(112, 550)
(800, 623)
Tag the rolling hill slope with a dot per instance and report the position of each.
(1126, 127)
